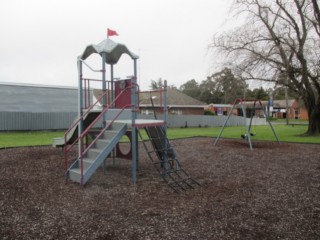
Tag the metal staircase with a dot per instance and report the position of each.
(84, 167)
(165, 160)
(95, 138)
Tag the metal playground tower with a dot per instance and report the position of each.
(102, 121)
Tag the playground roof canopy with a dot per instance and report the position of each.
(113, 51)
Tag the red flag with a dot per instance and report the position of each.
(111, 33)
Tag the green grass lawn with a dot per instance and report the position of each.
(34, 138)
(286, 133)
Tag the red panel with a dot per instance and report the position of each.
(125, 99)
(127, 155)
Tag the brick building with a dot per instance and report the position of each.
(296, 109)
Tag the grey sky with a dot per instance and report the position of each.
(41, 39)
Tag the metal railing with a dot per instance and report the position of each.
(84, 134)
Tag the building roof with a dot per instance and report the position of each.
(16, 97)
(276, 103)
(220, 105)
(282, 103)
(175, 99)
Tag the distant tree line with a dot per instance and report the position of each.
(223, 88)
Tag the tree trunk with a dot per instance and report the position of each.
(314, 119)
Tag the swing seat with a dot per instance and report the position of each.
(243, 136)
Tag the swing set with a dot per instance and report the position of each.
(243, 105)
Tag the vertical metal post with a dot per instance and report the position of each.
(104, 85)
(80, 113)
(112, 92)
(165, 113)
(112, 98)
(165, 104)
(104, 101)
(268, 120)
(135, 73)
(134, 142)
(287, 104)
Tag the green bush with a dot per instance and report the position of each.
(210, 113)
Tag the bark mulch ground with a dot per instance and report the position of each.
(272, 192)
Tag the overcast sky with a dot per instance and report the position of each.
(41, 39)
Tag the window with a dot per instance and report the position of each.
(297, 114)
(176, 111)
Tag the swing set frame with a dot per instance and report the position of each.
(243, 102)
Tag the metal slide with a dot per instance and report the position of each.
(73, 132)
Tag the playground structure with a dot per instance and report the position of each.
(242, 104)
(97, 130)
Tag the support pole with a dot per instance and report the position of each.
(134, 143)
(112, 98)
(165, 103)
(268, 120)
(165, 113)
(104, 101)
(104, 88)
(135, 72)
(287, 104)
(112, 84)
(80, 113)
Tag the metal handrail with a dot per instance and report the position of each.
(82, 116)
(106, 127)
(94, 70)
(97, 137)
(68, 148)
(85, 132)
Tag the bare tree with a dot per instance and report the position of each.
(156, 84)
(278, 37)
(316, 20)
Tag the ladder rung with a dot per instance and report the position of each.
(176, 178)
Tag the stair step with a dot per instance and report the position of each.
(97, 154)
(102, 143)
(93, 153)
(75, 175)
(109, 134)
(87, 162)
(115, 126)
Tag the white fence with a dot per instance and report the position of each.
(27, 121)
(178, 121)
